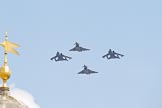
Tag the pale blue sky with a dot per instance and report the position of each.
(42, 27)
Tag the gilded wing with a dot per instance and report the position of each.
(9, 47)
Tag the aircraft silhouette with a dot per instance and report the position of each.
(60, 57)
(78, 48)
(86, 71)
(112, 55)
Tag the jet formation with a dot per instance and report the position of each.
(60, 57)
(110, 55)
(86, 71)
(78, 48)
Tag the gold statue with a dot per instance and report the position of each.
(5, 71)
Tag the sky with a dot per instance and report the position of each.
(43, 27)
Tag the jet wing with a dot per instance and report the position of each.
(90, 71)
(61, 59)
(67, 57)
(121, 55)
(58, 59)
(73, 49)
(104, 55)
(93, 72)
(79, 49)
(84, 49)
(82, 72)
(112, 57)
(53, 57)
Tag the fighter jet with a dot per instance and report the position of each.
(112, 55)
(86, 71)
(60, 57)
(78, 48)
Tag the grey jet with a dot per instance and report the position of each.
(112, 55)
(86, 71)
(78, 48)
(60, 57)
